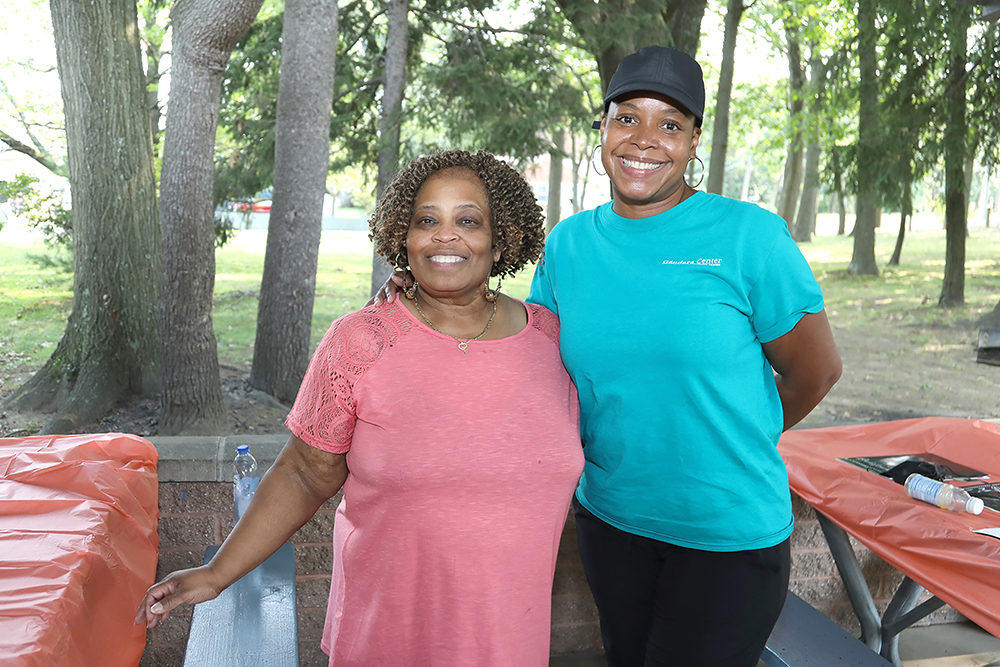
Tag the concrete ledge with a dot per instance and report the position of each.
(210, 458)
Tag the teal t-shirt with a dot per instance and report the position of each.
(661, 325)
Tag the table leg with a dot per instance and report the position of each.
(854, 582)
(880, 634)
(901, 613)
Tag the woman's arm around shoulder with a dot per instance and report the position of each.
(806, 365)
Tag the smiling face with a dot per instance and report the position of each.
(646, 142)
(450, 241)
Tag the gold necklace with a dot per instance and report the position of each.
(462, 344)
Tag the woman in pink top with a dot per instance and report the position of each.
(451, 424)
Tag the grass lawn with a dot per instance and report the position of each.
(35, 302)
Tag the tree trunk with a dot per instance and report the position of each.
(720, 129)
(805, 221)
(205, 33)
(577, 160)
(970, 167)
(792, 181)
(905, 212)
(747, 174)
(110, 347)
(897, 252)
(393, 87)
(984, 195)
(612, 30)
(153, 94)
(953, 288)
(301, 162)
(552, 213)
(863, 260)
(841, 212)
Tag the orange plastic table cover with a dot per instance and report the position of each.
(934, 547)
(78, 548)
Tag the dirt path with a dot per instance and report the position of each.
(901, 371)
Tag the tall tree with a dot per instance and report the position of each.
(611, 30)
(956, 131)
(792, 180)
(720, 127)
(204, 34)
(553, 213)
(390, 118)
(110, 347)
(301, 163)
(805, 220)
(863, 259)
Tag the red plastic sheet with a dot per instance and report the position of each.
(934, 547)
(78, 548)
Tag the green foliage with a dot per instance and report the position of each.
(757, 138)
(984, 92)
(507, 92)
(244, 163)
(45, 212)
(469, 85)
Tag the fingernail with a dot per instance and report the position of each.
(157, 608)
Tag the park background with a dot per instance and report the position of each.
(155, 304)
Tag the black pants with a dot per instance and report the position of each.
(665, 605)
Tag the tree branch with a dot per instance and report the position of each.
(44, 160)
(40, 149)
(377, 81)
(484, 26)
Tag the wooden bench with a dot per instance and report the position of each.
(804, 637)
(253, 623)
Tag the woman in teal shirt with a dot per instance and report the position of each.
(683, 510)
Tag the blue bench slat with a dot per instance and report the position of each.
(804, 637)
(253, 623)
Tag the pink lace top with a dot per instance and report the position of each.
(462, 467)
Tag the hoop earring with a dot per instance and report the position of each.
(411, 291)
(703, 170)
(493, 294)
(593, 163)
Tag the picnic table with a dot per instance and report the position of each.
(78, 548)
(935, 549)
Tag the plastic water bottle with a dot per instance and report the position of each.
(245, 480)
(943, 495)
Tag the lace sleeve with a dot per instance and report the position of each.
(545, 321)
(324, 412)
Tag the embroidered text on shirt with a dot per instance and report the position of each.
(704, 261)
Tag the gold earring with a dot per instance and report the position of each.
(411, 292)
(492, 294)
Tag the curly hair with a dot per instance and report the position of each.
(516, 218)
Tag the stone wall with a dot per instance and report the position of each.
(196, 511)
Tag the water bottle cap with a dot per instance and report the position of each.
(243, 449)
(974, 505)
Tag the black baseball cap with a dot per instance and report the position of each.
(660, 69)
